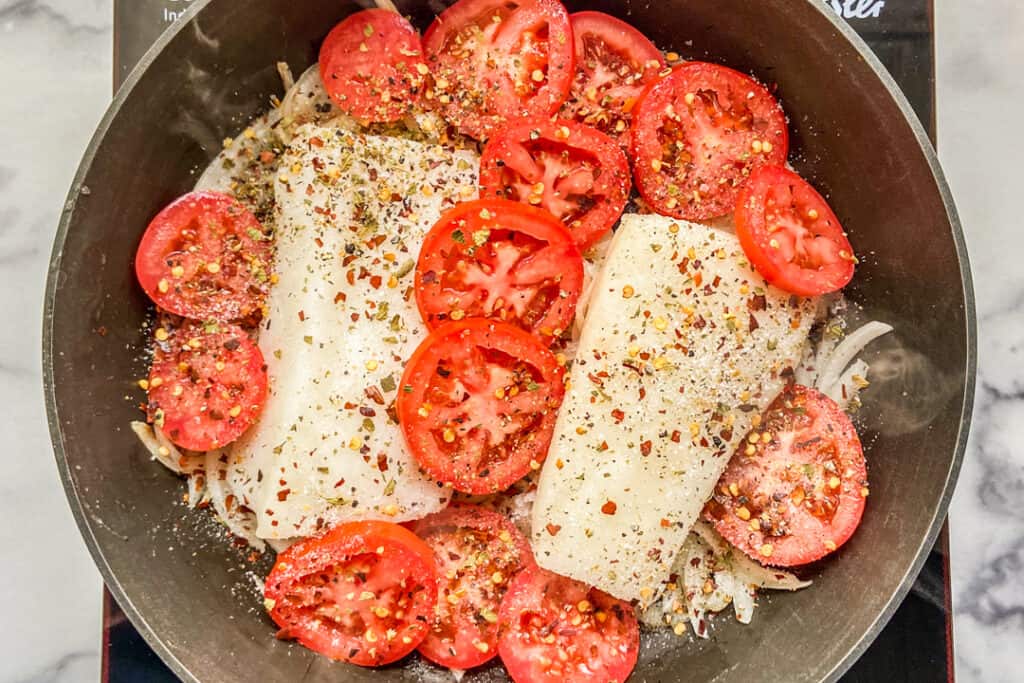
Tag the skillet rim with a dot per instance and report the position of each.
(842, 27)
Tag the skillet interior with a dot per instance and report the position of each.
(193, 596)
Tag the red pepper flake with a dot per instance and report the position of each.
(609, 507)
(643, 393)
(373, 393)
(376, 281)
(698, 278)
(340, 296)
(753, 324)
(603, 446)
(302, 316)
(319, 242)
(350, 406)
(282, 495)
(382, 462)
(618, 415)
(645, 448)
(316, 142)
(665, 523)
(757, 302)
(553, 529)
(676, 436)
(350, 276)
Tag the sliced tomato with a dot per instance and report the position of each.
(206, 257)
(614, 62)
(791, 235)
(557, 629)
(207, 384)
(698, 134)
(362, 593)
(478, 404)
(478, 552)
(497, 60)
(575, 172)
(501, 260)
(795, 489)
(372, 66)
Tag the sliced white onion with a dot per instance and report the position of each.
(847, 388)
(747, 570)
(847, 350)
(165, 452)
(197, 489)
(239, 522)
(743, 603)
(307, 101)
(287, 79)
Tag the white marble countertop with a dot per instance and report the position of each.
(55, 64)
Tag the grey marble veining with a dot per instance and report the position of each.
(55, 64)
(980, 93)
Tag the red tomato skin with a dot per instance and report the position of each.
(320, 553)
(538, 591)
(672, 89)
(392, 63)
(225, 296)
(812, 539)
(504, 214)
(422, 444)
(755, 238)
(479, 110)
(624, 39)
(612, 180)
(480, 519)
(210, 424)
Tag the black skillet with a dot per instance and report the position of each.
(192, 595)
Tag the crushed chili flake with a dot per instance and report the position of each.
(609, 507)
(553, 529)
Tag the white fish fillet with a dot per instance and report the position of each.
(689, 344)
(340, 324)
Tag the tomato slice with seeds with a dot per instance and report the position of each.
(698, 133)
(207, 384)
(478, 552)
(614, 63)
(362, 593)
(557, 629)
(796, 487)
(791, 235)
(577, 173)
(501, 260)
(372, 66)
(206, 257)
(478, 404)
(497, 60)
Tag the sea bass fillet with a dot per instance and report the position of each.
(341, 320)
(682, 347)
